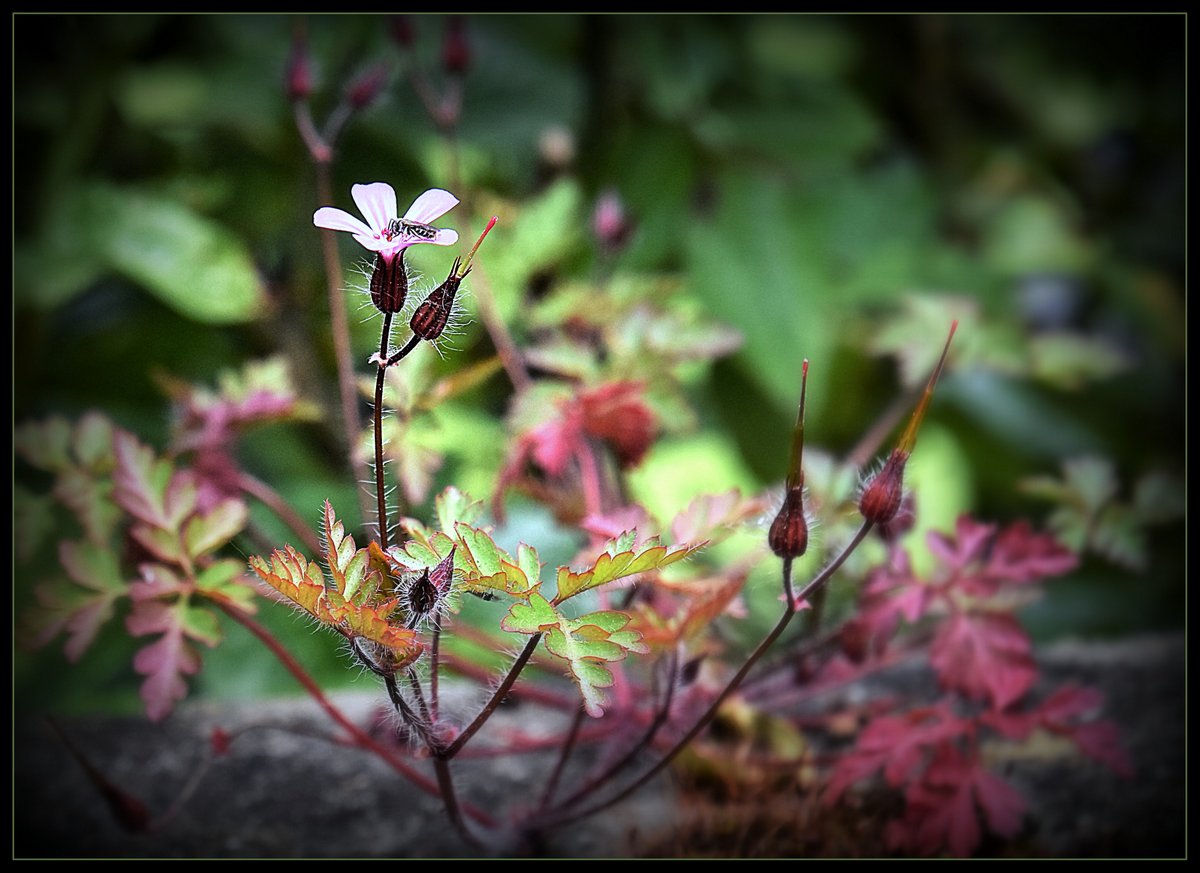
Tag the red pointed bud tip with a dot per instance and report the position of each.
(609, 224)
(402, 31)
(298, 78)
(363, 90)
(902, 522)
(788, 536)
(882, 496)
(456, 51)
(908, 440)
(389, 283)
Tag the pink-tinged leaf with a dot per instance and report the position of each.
(710, 516)
(165, 545)
(617, 413)
(147, 487)
(83, 611)
(1101, 741)
(156, 582)
(1003, 806)
(897, 746)
(208, 532)
(985, 656)
(90, 499)
(164, 664)
(1020, 555)
(297, 579)
(968, 545)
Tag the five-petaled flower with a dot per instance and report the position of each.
(384, 231)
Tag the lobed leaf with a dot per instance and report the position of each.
(148, 488)
(619, 561)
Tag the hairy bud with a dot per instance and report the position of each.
(298, 77)
(880, 499)
(433, 314)
(389, 283)
(788, 536)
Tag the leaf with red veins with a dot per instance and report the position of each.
(890, 593)
(81, 606)
(943, 807)
(148, 488)
(1069, 712)
(166, 661)
(968, 544)
(617, 413)
(985, 656)
(896, 744)
(1020, 555)
(620, 560)
(712, 516)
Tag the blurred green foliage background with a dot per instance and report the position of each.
(830, 187)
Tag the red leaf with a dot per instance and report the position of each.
(164, 664)
(985, 656)
(1020, 555)
(616, 413)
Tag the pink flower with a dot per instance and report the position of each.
(384, 232)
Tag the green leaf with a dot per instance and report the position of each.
(1069, 361)
(148, 488)
(82, 608)
(45, 444)
(206, 533)
(188, 261)
(585, 643)
(297, 579)
(225, 578)
(33, 521)
(453, 506)
(92, 442)
(619, 561)
(200, 624)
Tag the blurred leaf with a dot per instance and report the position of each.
(1033, 234)
(189, 262)
(1069, 361)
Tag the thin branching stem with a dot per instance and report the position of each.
(497, 696)
(818, 582)
(385, 339)
(660, 718)
(359, 737)
(564, 755)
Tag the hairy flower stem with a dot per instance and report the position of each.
(564, 755)
(818, 582)
(341, 337)
(497, 696)
(434, 653)
(377, 421)
(359, 737)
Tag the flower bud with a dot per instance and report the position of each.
(363, 90)
(433, 314)
(389, 283)
(788, 536)
(880, 499)
(298, 77)
(402, 31)
(902, 522)
(456, 51)
(609, 222)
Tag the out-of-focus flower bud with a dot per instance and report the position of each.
(456, 51)
(362, 91)
(298, 78)
(609, 222)
(880, 499)
(402, 31)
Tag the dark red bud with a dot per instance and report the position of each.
(364, 89)
(220, 740)
(880, 500)
(298, 79)
(456, 52)
(389, 283)
(902, 522)
(788, 536)
(402, 30)
(433, 314)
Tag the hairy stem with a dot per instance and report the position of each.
(434, 656)
(497, 696)
(377, 420)
(793, 599)
(359, 737)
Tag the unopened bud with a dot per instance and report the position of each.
(433, 314)
(788, 536)
(389, 283)
(402, 31)
(298, 77)
(880, 499)
(456, 52)
(609, 222)
(902, 522)
(367, 86)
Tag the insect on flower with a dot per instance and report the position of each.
(415, 229)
